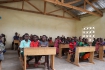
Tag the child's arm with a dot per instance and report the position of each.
(21, 46)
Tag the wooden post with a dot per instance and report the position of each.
(101, 54)
(0, 65)
(77, 57)
(60, 52)
(24, 62)
(91, 57)
(52, 62)
(68, 57)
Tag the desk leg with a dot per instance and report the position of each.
(68, 57)
(0, 65)
(91, 57)
(101, 54)
(14, 46)
(24, 62)
(52, 62)
(76, 62)
(60, 52)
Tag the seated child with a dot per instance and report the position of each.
(72, 47)
(34, 44)
(44, 43)
(24, 44)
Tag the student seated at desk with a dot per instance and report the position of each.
(24, 44)
(72, 47)
(35, 44)
(44, 43)
(16, 37)
(85, 55)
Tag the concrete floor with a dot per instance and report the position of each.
(12, 62)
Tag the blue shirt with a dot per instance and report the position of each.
(43, 44)
(25, 44)
(16, 37)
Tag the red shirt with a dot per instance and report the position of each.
(34, 44)
(72, 45)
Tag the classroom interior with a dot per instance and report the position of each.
(52, 18)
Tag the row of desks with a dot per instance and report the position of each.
(52, 52)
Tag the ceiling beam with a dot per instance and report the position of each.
(70, 13)
(33, 6)
(22, 5)
(6, 7)
(2, 2)
(75, 1)
(45, 7)
(53, 11)
(73, 7)
(94, 7)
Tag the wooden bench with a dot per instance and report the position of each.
(61, 46)
(39, 51)
(101, 52)
(16, 41)
(82, 49)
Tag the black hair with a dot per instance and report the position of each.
(26, 34)
(46, 37)
(36, 36)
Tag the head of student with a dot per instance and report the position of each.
(44, 38)
(16, 34)
(35, 38)
(26, 36)
(58, 37)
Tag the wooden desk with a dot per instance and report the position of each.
(40, 51)
(16, 41)
(82, 49)
(61, 46)
(101, 52)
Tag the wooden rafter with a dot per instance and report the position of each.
(74, 16)
(35, 12)
(33, 6)
(53, 11)
(11, 1)
(22, 5)
(45, 7)
(94, 7)
(73, 7)
(84, 4)
(75, 1)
